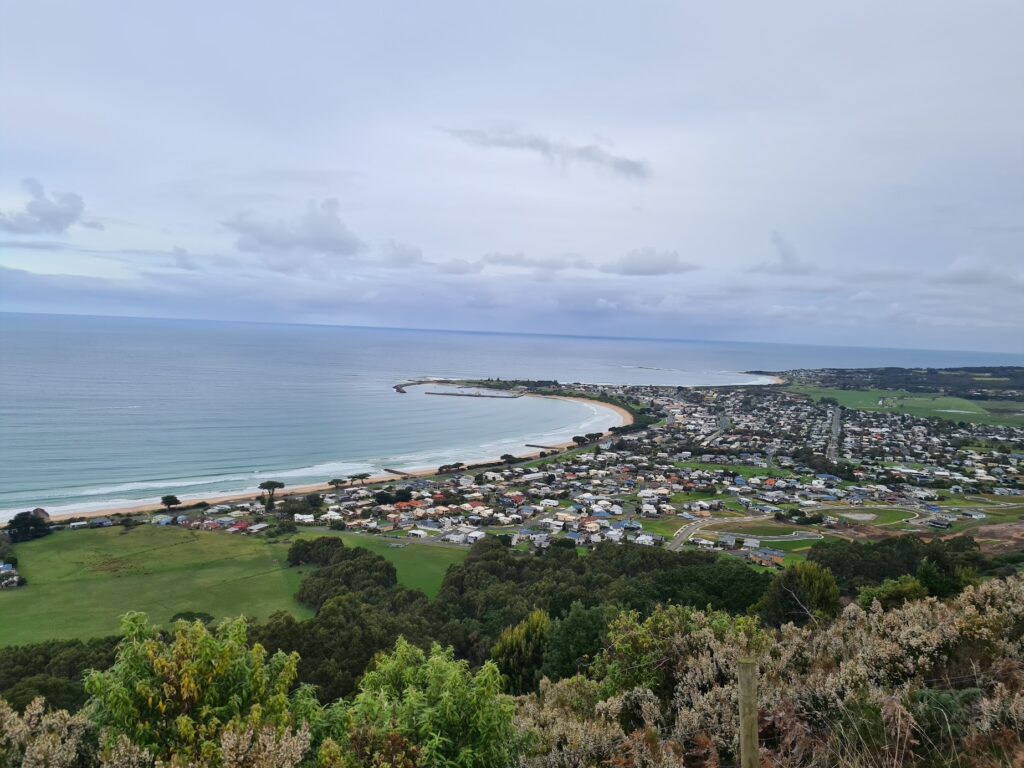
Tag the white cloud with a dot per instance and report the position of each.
(319, 230)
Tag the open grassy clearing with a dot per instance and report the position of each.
(993, 516)
(418, 565)
(664, 526)
(81, 582)
(922, 404)
(759, 529)
(877, 516)
(800, 548)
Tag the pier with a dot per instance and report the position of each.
(473, 394)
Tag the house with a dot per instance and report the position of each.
(100, 522)
(475, 536)
(771, 558)
(78, 525)
(258, 528)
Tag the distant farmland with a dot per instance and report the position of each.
(936, 406)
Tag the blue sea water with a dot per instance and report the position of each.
(102, 412)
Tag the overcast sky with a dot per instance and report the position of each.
(847, 173)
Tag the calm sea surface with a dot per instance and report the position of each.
(105, 412)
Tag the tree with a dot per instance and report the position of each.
(175, 698)
(802, 593)
(337, 484)
(519, 652)
(575, 640)
(579, 439)
(362, 477)
(892, 593)
(314, 501)
(450, 714)
(269, 487)
(170, 500)
(508, 458)
(25, 526)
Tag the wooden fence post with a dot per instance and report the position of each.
(748, 713)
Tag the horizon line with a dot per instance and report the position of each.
(502, 333)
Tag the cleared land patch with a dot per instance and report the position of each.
(81, 582)
(759, 529)
(925, 405)
(418, 565)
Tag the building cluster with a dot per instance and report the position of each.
(743, 451)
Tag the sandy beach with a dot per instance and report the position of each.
(625, 417)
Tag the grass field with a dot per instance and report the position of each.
(419, 566)
(993, 516)
(81, 582)
(664, 526)
(794, 547)
(882, 517)
(759, 529)
(922, 404)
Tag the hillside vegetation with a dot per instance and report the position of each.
(624, 658)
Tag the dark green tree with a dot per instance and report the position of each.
(575, 641)
(269, 487)
(25, 526)
(519, 652)
(800, 594)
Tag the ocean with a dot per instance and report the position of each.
(100, 412)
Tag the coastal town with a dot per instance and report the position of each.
(755, 472)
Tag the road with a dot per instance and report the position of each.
(832, 453)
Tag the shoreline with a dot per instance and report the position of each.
(625, 418)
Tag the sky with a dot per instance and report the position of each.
(803, 172)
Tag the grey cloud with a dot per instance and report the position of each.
(183, 260)
(560, 152)
(649, 262)
(318, 231)
(554, 263)
(459, 267)
(976, 271)
(43, 214)
(398, 254)
(35, 245)
(787, 261)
